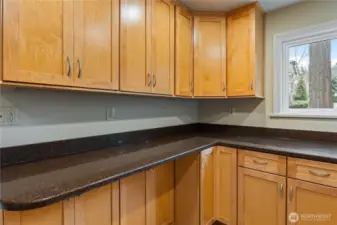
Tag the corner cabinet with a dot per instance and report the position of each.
(209, 56)
(73, 43)
(184, 53)
(245, 52)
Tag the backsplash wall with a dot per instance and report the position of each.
(47, 115)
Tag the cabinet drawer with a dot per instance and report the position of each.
(313, 171)
(262, 161)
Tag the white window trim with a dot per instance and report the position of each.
(282, 42)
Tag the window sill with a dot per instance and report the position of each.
(303, 116)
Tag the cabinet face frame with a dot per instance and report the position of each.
(281, 204)
(187, 91)
(198, 76)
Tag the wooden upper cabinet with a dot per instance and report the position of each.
(225, 165)
(209, 56)
(133, 199)
(312, 199)
(96, 40)
(245, 52)
(207, 187)
(38, 41)
(160, 195)
(134, 64)
(162, 43)
(184, 53)
(261, 198)
(57, 214)
(87, 211)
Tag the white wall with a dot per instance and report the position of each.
(46, 115)
(255, 112)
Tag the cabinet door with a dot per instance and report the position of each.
(134, 74)
(159, 195)
(226, 185)
(57, 214)
(96, 43)
(261, 198)
(38, 41)
(184, 63)
(87, 212)
(187, 192)
(314, 203)
(241, 52)
(162, 47)
(133, 199)
(209, 56)
(207, 187)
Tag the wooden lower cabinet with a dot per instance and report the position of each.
(261, 198)
(187, 176)
(133, 199)
(313, 203)
(57, 214)
(160, 195)
(99, 206)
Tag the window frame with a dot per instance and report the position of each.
(282, 43)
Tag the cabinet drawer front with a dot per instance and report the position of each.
(262, 161)
(312, 171)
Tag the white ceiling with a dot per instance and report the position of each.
(227, 5)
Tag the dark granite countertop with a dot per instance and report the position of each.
(41, 183)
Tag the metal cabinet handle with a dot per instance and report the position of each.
(260, 162)
(69, 67)
(149, 81)
(251, 85)
(319, 174)
(154, 80)
(192, 87)
(291, 193)
(281, 190)
(79, 68)
(224, 87)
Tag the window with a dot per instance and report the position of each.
(305, 66)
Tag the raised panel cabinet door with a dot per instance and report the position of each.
(210, 56)
(241, 52)
(226, 185)
(99, 206)
(133, 199)
(207, 187)
(160, 195)
(96, 44)
(38, 42)
(134, 63)
(184, 56)
(162, 47)
(56, 214)
(313, 203)
(261, 198)
(187, 190)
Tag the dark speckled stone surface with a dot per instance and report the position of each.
(37, 184)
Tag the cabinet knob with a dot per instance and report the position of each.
(281, 190)
(79, 68)
(149, 81)
(291, 193)
(69, 67)
(154, 80)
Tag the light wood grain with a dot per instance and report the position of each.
(260, 199)
(160, 195)
(187, 180)
(184, 53)
(133, 199)
(97, 44)
(94, 207)
(207, 187)
(313, 171)
(209, 55)
(115, 203)
(312, 199)
(1, 40)
(134, 63)
(264, 162)
(1, 218)
(69, 212)
(226, 185)
(38, 55)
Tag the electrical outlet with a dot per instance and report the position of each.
(110, 113)
(8, 116)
